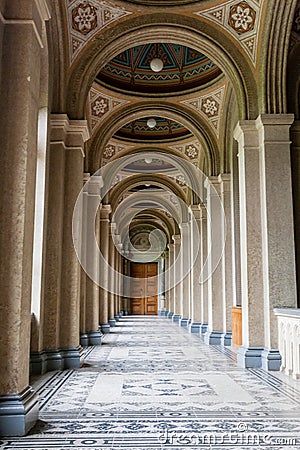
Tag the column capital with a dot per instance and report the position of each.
(225, 181)
(176, 238)
(105, 212)
(196, 211)
(71, 133)
(274, 128)
(212, 185)
(275, 119)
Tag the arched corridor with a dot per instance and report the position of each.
(153, 385)
(149, 214)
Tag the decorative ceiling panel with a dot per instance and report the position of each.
(241, 19)
(100, 105)
(210, 106)
(183, 68)
(86, 18)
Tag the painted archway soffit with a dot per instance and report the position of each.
(86, 18)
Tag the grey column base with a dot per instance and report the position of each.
(170, 315)
(194, 327)
(204, 328)
(165, 313)
(248, 357)
(117, 318)
(126, 313)
(213, 337)
(18, 412)
(95, 338)
(176, 318)
(38, 363)
(271, 359)
(54, 360)
(183, 322)
(105, 328)
(73, 357)
(84, 340)
(227, 339)
(112, 322)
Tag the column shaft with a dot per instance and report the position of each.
(104, 270)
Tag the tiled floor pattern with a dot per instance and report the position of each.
(152, 385)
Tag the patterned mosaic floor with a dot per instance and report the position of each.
(152, 385)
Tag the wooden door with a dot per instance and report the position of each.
(144, 288)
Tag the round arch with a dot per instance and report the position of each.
(186, 116)
(196, 33)
(194, 177)
(137, 180)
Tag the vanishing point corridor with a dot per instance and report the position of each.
(153, 385)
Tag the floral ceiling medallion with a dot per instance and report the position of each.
(241, 19)
(99, 105)
(210, 106)
(86, 18)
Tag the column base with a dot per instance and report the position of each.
(112, 322)
(95, 338)
(194, 327)
(170, 315)
(54, 360)
(117, 318)
(213, 337)
(165, 313)
(204, 328)
(72, 357)
(249, 357)
(227, 339)
(18, 412)
(183, 322)
(38, 363)
(105, 328)
(84, 340)
(271, 359)
(126, 313)
(176, 318)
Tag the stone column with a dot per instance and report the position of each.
(267, 243)
(195, 325)
(185, 275)
(171, 281)
(278, 250)
(203, 270)
(225, 183)
(295, 160)
(53, 245)
(251, 245)
(84, 339)
(167, 293)
(111, 279)
(216, 310)
(76, 133)
(104, 248)
(177, 287)
(92, 260)
(19, 95)
(120, 281)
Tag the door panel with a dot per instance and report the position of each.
(144, 290)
